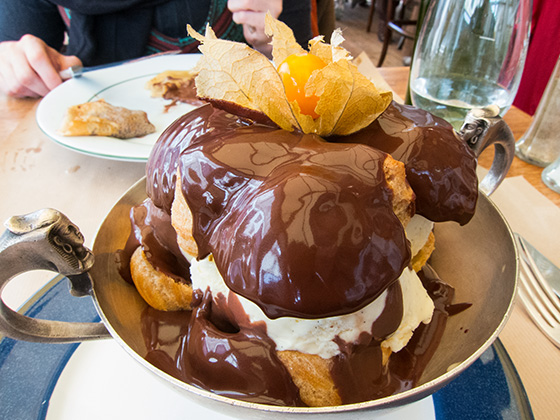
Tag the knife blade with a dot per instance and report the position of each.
(77, 71)
(547, 268)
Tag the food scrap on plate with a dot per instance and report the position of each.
(175, 85)
(100, 118)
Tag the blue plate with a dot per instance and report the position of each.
(489, 389)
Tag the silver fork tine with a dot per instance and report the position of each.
(538, 282)
(529, 303)
(547, 299)
(537, 296)
(550, 332)
(536, 302)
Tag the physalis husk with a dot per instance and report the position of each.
(295, 72)
(234, 72)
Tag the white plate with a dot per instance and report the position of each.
(134, 393)
(121, 85)
(99, 380)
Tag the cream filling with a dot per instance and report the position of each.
(417, 307)
(317, 336)
(417, 231)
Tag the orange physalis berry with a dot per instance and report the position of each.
(295, 71)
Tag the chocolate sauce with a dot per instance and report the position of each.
(152, 229)
(300, 226)
(183, 92)
(303, 228)
(440, 168)
(239, 360)
(404, 368)
(457, 308)
(234, 361)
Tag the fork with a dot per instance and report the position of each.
(537, 296)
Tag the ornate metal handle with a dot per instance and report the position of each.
(483, 127)
(46, 240)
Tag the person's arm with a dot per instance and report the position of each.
(250, 14)
(36, 17)
(31, 33)
(297, 15)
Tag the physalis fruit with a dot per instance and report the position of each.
(295, 71)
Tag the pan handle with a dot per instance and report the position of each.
(482, 128)
(45, 240)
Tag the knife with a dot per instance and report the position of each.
(77, 71)
(548, 270)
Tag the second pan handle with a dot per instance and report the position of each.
(45, 240)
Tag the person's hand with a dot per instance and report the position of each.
(30, 67)
(250, 14)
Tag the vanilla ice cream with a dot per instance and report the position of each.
(317, 336)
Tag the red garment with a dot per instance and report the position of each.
(314, 22)
(544, 49)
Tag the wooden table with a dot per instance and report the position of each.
(536, 359)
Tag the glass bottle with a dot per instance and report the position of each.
(551, 175)
(421, 14)
(470, 54)
(540, 145)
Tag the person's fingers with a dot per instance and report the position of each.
(238, 5)
(69, 61)
(10, 85)
(30, 67)
(246, 17)
(38, 54)
(253, 31)
(251, 14)
(17, 72)
(272, 6)
(253, 36)
(8, 79)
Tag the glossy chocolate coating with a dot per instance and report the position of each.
(300, 226)
(440, 168)
(207, 349)
(259, 194)
(151, 228)
(197, 348)
(163, 161)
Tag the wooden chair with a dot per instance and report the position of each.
(371, 13)
(395, 22)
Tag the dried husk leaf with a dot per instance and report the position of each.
(361, 105)
(329, 52)
(234, 72)
(333, 97)
(283, 41)
(337, 39)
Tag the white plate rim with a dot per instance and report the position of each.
(93, 84)
(446, 401)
